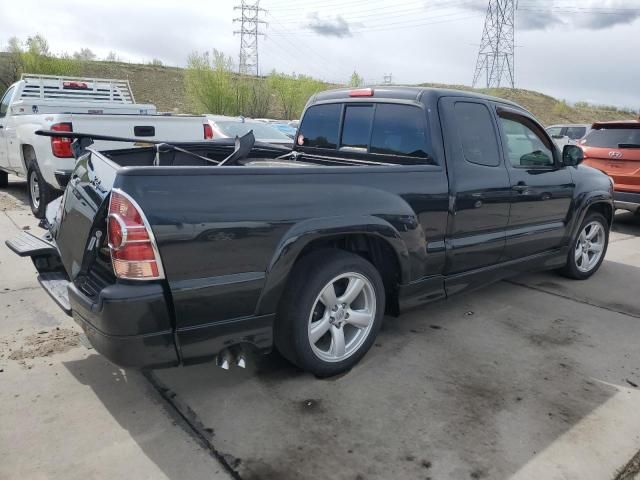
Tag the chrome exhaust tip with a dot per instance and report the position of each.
(241, 361)
(222, 360)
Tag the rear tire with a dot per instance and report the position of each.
(330, 313)
(40, 192)
(588, 249)
(4, 179)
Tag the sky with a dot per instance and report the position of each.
(578, 50)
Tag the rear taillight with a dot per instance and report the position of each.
(208, 131)
(61, 146)
(361, 92)
(134, 253)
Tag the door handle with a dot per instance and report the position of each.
(520, 187)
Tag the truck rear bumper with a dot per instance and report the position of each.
(127, 323)
(627, 201)
(153, 349)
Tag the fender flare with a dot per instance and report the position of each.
(303, 233)
(591, 199)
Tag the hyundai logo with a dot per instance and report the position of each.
(615, 155)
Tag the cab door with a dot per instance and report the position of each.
(541, 187)
(479, 185)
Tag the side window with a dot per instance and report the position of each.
(554, 130)
(319, 127)
(4, 103)
(576, 133)
(399, 130)
(525, 147)
(357, 127)
(477, 135)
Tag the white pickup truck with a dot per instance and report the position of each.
(87, 105)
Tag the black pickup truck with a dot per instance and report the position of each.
(392, 197)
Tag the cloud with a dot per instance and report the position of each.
(585, 14)
(539, 20)
(329, 27)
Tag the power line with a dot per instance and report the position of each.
(496, 54)
(249, 32)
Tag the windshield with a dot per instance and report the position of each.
(261, 131)
(613, 138)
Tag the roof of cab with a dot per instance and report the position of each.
(617, 124)
(403, 93)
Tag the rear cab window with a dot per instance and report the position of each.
(615, 136)
(387, 132)
(320, 127)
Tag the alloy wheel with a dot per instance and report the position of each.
(342, 317)
(589, 246)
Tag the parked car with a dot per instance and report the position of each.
(614, 148)
(230, 127)
(42, 102)
(390, 199)
(568, 133)
(285, 128)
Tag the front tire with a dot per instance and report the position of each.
(331, 312)
(40, 192)
(588, 248)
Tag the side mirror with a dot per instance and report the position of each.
(572, 155)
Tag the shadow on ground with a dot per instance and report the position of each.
(125, 395)
(627, 223)
(471, 388)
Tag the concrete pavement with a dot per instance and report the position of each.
(534, 378)
(71, 414)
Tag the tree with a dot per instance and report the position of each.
(210, 84)
(293, 91)
(84, 55)
(35, 57)
(12, 67)
(356, 80)
(112, 57)
(156, 62)
(38, 45)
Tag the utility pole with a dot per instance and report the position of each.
(496, 55)
(249, 32)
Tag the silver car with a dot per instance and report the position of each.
(568, 134)
(229, 127)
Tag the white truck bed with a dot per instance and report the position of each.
(86, 105)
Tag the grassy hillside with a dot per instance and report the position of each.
(164, 87)
(550, 110)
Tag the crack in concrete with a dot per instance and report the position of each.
(630, 470)
(11, 220)
(18, 290)
(583, 302)
(195, 427)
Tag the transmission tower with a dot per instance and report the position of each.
(495, 58)
(249, 32)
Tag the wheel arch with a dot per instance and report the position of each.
(370, 237)
(595, 203)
